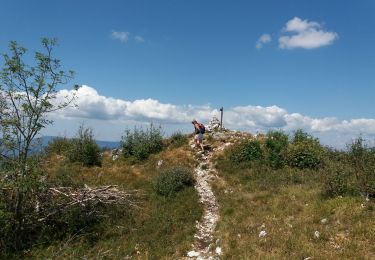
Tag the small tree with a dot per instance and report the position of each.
(28, 93)
(84, 148)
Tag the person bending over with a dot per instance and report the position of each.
(199, 130)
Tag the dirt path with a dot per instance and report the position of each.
(206, 246)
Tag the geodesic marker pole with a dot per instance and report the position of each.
(221, 118)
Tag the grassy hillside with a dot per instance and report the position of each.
(161, 226)
(288, 212)
(279, 196)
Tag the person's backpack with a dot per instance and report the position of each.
(202, 128)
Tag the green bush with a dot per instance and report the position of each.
(247, 151)
(304, 151)
(362, 159)
(339, 182)
(173, 179)
(73, 220)
(276, 144)
(300, 137)
(178, 139)
(59, 145)
(140, 144)
(64, 177)
(356, 171)
(6, 229)
(58, 222)
(84, 149)
(18, 199)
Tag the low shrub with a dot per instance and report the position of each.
(6, 228)
(339, 183)
(140, 144)
(362, 159)
(178, 139)
(304, 156)
(354, 172)
(45, 220)
(276, 145)
(304, 151)
(301, 136)
(73, 220)
(64, 177)
(247, 151)
(58, 145)
(173, 179)
(18, 206)
(84, 149)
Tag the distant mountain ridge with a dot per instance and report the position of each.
(102, 144)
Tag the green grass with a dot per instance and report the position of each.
(287, 201)
(162, 228)
(291, 205)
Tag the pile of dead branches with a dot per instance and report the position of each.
(65, 198)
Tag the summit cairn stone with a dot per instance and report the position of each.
(214, 125)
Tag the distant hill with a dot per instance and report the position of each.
(102, 144)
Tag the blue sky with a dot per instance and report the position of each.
(203, 53)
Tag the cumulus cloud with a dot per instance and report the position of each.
(121, 36)
(92, 105)
(298, 25)
(305, 34)
(263, 39)
(139, 39)
(256, 117)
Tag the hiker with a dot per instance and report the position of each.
(199, 130)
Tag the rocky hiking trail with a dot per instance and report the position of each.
(205, 246)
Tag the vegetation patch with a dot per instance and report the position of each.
(58, 145)
(178, 139)
(139, 144)
(316, 204)
(162, 227)
(84, 149)
(276, 146)
(172, 180)
(304, 151)
(247, 151)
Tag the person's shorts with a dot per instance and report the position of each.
(199, 137)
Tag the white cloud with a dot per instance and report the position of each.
(93, 106)
(305, 34)
(263, 39)
(122, 36)
(256, 117)
(298, 25)
(139, 39)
